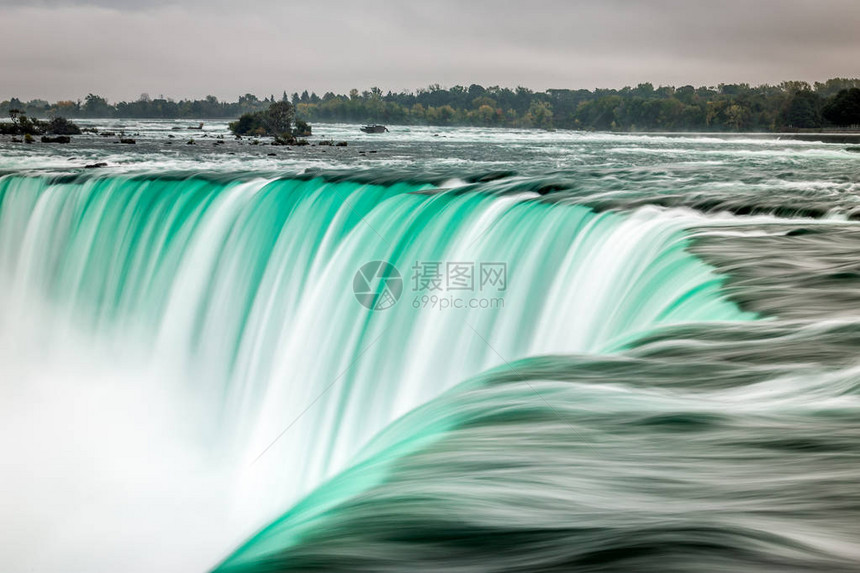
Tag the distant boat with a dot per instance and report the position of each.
(179, 127)
(374, 129)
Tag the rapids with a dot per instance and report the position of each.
(585, 352)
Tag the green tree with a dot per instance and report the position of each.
(737, 116)
(844, 108)
(97, 106)
(278, 119)
(540, 115)
(803, 110)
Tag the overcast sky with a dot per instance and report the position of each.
(64, 49)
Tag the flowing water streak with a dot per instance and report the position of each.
(241, 289)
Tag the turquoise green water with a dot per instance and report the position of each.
(244, 286)
(589, 352)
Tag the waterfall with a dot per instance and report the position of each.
(226, 306)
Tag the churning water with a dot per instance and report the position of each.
(443, 349)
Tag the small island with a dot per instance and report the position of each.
(277, 121)
(26, 126)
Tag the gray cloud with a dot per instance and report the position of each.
(190, 48)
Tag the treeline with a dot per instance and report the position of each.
(97, 107)
(727, 107)
(736, 107)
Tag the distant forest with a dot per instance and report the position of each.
(727, 107)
